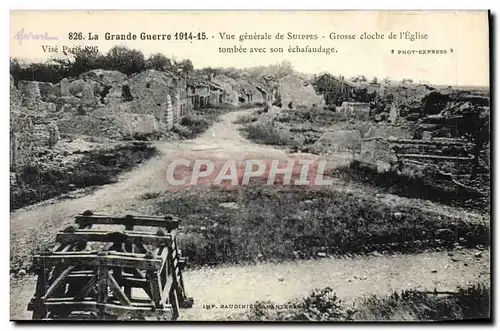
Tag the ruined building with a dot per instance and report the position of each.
(335, 90)
(203, 93)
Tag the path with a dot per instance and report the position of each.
(39, 223)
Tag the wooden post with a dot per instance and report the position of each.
(39, 310)
(102, 289)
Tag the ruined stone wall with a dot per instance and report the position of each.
(292, 89)
(49, 92)
(104, 77)
(30, 91)
(151, 92)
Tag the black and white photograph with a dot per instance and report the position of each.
(255, 166)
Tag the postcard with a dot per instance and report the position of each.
(272, 166)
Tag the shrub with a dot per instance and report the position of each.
(319, 305)
(244, 119)
(193, 125)
(472, 302)
(264, 133)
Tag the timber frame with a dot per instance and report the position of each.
(435, 150)
(95, 273)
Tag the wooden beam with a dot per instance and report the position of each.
(450, 142)
(112, 309)
(154, 285)
(169, 222)
(114, 237)
(165, 293)
(435, 157)
(117, 291)
(86, 289)
(97, 260)
(57, 282)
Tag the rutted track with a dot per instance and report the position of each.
(36, 226)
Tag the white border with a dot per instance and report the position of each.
(186, 4)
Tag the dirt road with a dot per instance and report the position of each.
(39, 223)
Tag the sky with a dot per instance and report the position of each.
(459, 40)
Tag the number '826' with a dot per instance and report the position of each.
(75, 36)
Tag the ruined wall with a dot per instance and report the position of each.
(233, 87)
(151, 94)
(49, 92)
(292, 89)
(104, 77)
(30, 92)
(230, 87)
(31, 97)
(179, 99)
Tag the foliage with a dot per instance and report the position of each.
(185, 66)
(47, 175)
(472, 302)
(264, 133)
(120, 58)
(125, 60)
(159, 62)
(193, 125)
(434, 102)
(424, 184)
(320, 305)
(289, 222)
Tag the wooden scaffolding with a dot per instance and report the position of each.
(99, 273)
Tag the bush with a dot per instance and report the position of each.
(264, 133)
(125, 60)
(193, 125)
(320, 305)
(468, 303)
(244, 119)
(471, 302)
(158, 61)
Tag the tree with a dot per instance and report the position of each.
(387, 81)
(15, 69)
(158, 61)
(282, 69)
(80, 62)
(434, 102)
(374, 80)
(186, 66)
(125, 60)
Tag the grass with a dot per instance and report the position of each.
(47, 177)
(288, 222)
(467, 303)
(413, 185)
(193, 125)
(245, 119)
(264, 133)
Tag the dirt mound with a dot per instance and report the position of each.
(338, 141)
